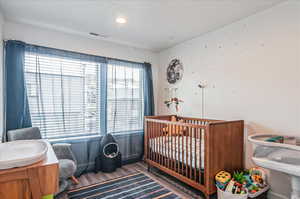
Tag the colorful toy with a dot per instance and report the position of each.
(222, 179)
(240, 183)
(278, 139)
(239, 177)
(248, 180)
(258, 176)
(252, 181)
(253, 189)
(230, 186)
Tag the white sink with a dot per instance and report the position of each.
(22, 153)
(283, 157)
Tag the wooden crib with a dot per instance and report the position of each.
(194, 150)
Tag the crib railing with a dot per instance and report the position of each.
(178, 146)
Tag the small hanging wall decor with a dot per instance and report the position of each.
(174, 71)
(172, 98)
(175, 101)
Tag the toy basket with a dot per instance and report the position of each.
(227, 195)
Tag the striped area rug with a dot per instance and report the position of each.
(134, 186)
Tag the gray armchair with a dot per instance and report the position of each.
(67, 160)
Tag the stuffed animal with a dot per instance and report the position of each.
(175, 130)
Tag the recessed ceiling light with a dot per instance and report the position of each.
(121, 20)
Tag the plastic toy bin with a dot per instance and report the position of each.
(227, 195)
(262, 194)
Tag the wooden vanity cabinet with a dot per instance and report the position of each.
(33, 181)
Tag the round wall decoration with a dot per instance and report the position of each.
(174, 71)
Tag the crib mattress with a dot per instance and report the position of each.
(174, 147)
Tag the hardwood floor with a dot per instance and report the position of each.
(92, 178)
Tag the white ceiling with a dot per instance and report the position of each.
(152, 24)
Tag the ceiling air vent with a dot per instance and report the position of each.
(97, 35)
(94, 34)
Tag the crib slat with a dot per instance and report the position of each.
(166, 143)
(186, 152)
(200, 157)
(191, 155)
(168, 149)
(156, 143)
(163, 145)
(172, 149)
(153, 141)
(170, 146)
(196, 153)
(150, 140)
(159, 145)
(182, 149)
(178, 149)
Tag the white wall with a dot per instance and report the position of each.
(253, 72)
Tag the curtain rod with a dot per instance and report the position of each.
(116, 59)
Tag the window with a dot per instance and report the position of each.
(124, 97)
(73, 97)
(63, 95)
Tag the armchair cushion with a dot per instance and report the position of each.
(67, 168)
(64, 151)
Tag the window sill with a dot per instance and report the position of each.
(75, 139)
(93, 137)
(127, 132)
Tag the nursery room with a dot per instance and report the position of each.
(150, 99)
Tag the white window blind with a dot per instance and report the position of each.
(64, 95)
(125, 100)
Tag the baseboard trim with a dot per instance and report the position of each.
(274, 195)
(130, 161)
